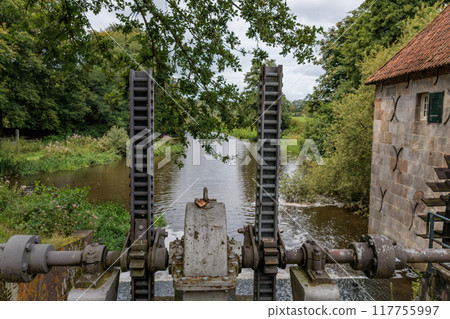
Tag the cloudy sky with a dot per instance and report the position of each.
(299, 80)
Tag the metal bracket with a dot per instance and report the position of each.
(446, 121)
(158, 257)
(383, 193)
(413, 211)
(437, 77)
(407, 85)
(250, 255)
(92, 265)
(394, 115)
(315, 262)
(397, 155)
(282, 252)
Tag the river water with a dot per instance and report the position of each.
(233, 183)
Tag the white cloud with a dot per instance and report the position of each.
(299, 80)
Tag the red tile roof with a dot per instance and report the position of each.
(429, 49)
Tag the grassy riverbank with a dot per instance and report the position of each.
(245, 134)
(28, 157)
(297, 130)
(54, 213)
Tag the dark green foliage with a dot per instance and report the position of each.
(346, 45)
(343, 124)
(116, 139)
(59, 75)
(364, 29)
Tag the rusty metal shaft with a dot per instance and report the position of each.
(64, 258)
(413, 256)
(74, 258)
(348, 256)
(427, 255)
(340, 256)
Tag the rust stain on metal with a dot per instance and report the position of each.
(201, 203)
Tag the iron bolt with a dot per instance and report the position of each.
(178, 271)
(205, 278)
(241, 230)
(225, 278)
(28, 247)
(24, 267)
(312, 242)
(231, 271)
(178, 257)
(205, 194)
(183, 278)
(141, 227)
(230, 256)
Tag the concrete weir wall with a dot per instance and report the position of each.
(424, 146)
(52, 286)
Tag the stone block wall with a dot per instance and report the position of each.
(52, 286)
(424, 146)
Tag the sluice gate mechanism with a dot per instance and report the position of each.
(205, 263)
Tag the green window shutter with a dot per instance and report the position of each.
(436, 107)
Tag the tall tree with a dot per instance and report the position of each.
(372, 25)
(187, 44)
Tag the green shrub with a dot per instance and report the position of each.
(116, 139)
(54, 210)
(112, 224)
(49, 211)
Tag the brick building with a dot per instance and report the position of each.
(411, 132)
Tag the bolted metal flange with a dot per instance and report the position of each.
(23, 257)
(383, 263)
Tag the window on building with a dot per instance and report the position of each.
(424, 105)
(430, 107)
(436, 107)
